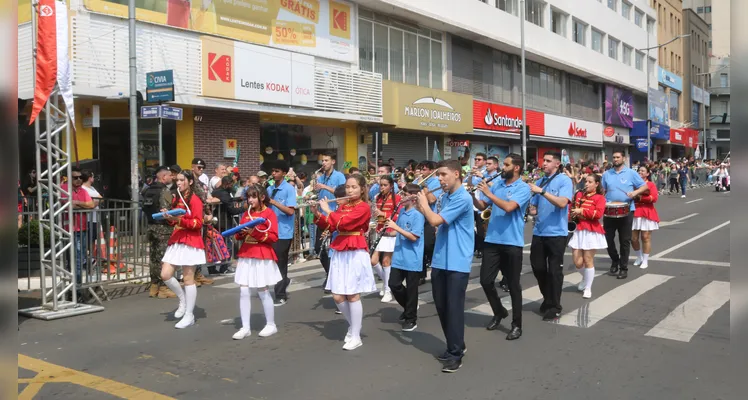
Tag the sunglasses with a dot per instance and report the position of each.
(478, 159)
(76, 177)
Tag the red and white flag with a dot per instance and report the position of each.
(52, 61)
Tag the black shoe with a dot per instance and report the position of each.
(479, 255)
(504, 286)
(446, 356)
(544, 307)
(422, 281)
(280, 302)
(452, 365)
(551, 314)
(614, 268)
(623, 274)
(496, 321)
(409, 326)
(515, 333)
(401, 318)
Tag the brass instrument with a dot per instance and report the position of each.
(312, 202)
(572, 225)
(423, 181)
(486, 214)
(410, 177)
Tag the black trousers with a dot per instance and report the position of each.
(480, 233)
(508, 260)
(547, 260)
(449, 299)
(281, 247)
(406, 296)
(324, 258)
(623, 227)
(429, 239)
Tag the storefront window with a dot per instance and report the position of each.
(300, 146)
(674, 99)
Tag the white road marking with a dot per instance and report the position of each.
(698, 262)
(686, 319)
(678, 220)
(693, 201)
(600, 308)
(693, 239)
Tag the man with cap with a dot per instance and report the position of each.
(263, 177)
(157, 197)
(198, 165)
(283, 202)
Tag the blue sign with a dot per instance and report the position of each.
(159, 86)
(669, 79)
(150, 112)
(641, 145)
(174, 113)
(657, 130)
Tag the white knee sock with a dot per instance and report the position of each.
(346, 310)
(245, 306)
(380, 272)
(387, 279)
(639, 254)
(267, 305)
(173, 284)
(190, 294)
(589, 276)
(581, 272)
(357, 316)
(645, 258)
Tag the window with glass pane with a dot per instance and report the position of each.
(534, 12)
(396, 55)
(613, 4)
(436, 64)
(639, 61)
(381, 39)
(674, 108)
(638, 18)
(612, 48)
(509, 6)
(650, 25)
(411, 58)
(626, 10)
(365, 45)
(579, 31)
(558, 22)
(424, 61)
(597, 41)
(723, 80)
(626, 55)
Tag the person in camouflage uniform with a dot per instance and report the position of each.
(157, 197)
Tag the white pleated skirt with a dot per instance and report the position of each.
(256, 273)
(182, 255)
(386, 244)
(587, 240)
(644, 224)
(350, 273)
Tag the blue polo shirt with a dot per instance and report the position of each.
(374, 190)
(480, 195)
(335, 179)
(408, 255)
(455, 238)
(286, 195)
(436, 189)
(552, 221)
(617, 184)
(508, 228)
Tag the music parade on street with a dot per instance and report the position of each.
(268, 242)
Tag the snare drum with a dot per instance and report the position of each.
(617, 209)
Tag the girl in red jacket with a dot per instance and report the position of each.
(587, 209)
(185, 247)
(385, 202)
(256, 265)
(646, 220)
(350, 268)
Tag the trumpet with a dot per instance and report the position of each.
(410, 177)
(315, 202)
(425, 178)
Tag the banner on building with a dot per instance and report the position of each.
(431, 110)
(619, 107)
(658, 106)
(501, 118)
(318, 27)
(642, 144)
(573, 129)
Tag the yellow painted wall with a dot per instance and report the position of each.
(84, 136)
(350, 146)
(186, 139)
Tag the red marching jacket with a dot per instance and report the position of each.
(387, 205)
(259, 243)
(189, 229)
(351, 221)
(593, 207)
(645, 204)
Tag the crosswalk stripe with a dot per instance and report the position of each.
(600, 308)
(686, 319)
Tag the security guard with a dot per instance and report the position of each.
(155, 198)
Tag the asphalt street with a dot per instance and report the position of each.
(662, 333)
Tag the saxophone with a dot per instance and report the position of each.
(572, 226)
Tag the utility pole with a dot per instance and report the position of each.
(133, 106)
(522, 62)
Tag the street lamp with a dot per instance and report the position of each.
(649, 120)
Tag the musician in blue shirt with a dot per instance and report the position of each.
(551, 197)
(325, 187)
(283, 203)
(621, 184)
(374, 189)
(432, 194)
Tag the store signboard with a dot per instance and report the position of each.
(669, 79)
(658, 109)
(615, 134)
(573, 129)
(657, 130)
(500, 118)
(619, 106)
(230, 147)
(241, 71)
(423, 109)
(684, 136)
(322, 28)
(700, 95)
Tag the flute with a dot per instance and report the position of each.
(323, 201)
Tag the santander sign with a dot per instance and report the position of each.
(502, 121)
(501, 118)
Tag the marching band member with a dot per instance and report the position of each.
(384, 170)
(282, 200)
(325, 186)
(587, 209)
(434, 191)
(185, 248)
(505, 240)
(551, 196)
(453, 256)
(620, 184)
(646, 220)
(385, 203)
(350, 270)
(406, 260)
(256, 266)
(477, 174)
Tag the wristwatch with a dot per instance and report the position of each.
(542, 193)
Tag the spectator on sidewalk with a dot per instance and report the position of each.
(81, 200)
(198, 168)
(88, 180)
(683, 178)
(215, 182)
